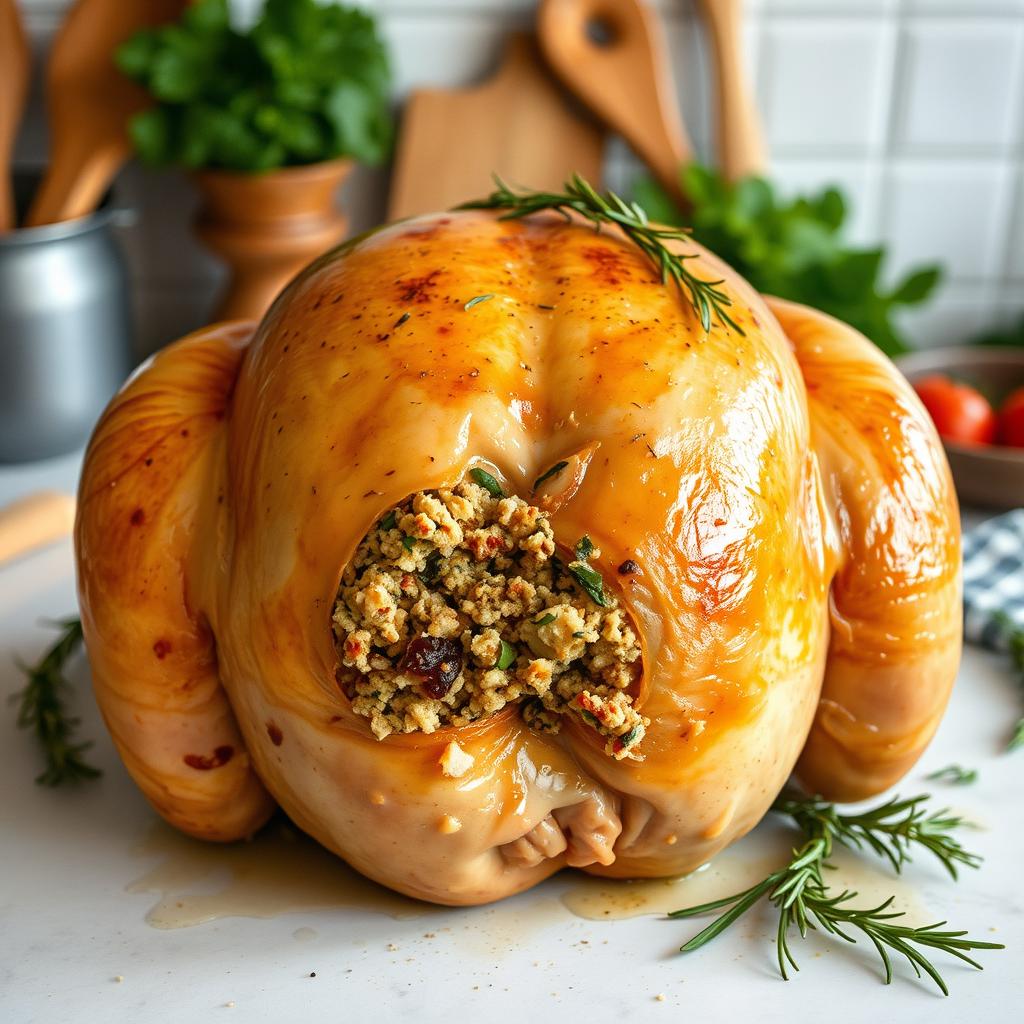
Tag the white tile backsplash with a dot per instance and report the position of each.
(914, 107)
(948, 319)
(823, 84)
(457, 50)
(961, 86)
(1015, 264)
(965, 6)
(827, 6)
(956, 213)
(694, 87)
(857, 179)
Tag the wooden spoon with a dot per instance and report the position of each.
(90, 103)
(15, 65)
(612, 55)
(741, 150)
(33, 522)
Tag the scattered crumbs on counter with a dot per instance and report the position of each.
(660, 997)
(230, 1004)
(119, 978)
(312, 974)
(392, 948)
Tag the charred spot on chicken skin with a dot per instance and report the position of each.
(455, 605)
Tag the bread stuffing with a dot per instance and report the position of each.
(458, 604)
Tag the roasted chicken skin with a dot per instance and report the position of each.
(781, 492)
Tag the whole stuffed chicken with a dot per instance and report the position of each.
(482, 557)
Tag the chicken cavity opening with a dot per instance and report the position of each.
(456, 604)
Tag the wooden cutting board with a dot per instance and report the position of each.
(518, 124)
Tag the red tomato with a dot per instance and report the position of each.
(960, 413)
(1011, 419)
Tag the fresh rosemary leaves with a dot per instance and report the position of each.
(889, 830)
(802, 896)
(549, 473)
(487, 481)
(589, 578)
(707, 298)
(955, 775)
(42, 709)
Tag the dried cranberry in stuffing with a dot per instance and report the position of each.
(437, 659)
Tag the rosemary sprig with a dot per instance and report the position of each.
(955, 775)
(803, 898)
(707, 298)
(42, 709)
(889, 830)
(549, 473)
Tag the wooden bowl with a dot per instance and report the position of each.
(991, 476)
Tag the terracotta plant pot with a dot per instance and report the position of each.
(267, 227)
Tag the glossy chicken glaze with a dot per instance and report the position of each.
(782, 491)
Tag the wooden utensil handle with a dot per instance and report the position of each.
(33, 522)
(14, 78)
(75, 181)
(611, 54)
(741, 149)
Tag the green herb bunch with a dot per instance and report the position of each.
(305, 83)
(794, 249)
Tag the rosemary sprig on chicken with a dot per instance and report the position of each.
(707, 298)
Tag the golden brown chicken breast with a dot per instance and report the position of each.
(480, 557)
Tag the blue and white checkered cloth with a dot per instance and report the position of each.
(994, 580)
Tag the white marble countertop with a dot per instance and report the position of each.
(83, 869)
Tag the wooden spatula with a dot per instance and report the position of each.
(613, 57)
(14, 76)
(90, 102)
(741, 150)
(518, 124)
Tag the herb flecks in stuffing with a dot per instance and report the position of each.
(453, 607)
